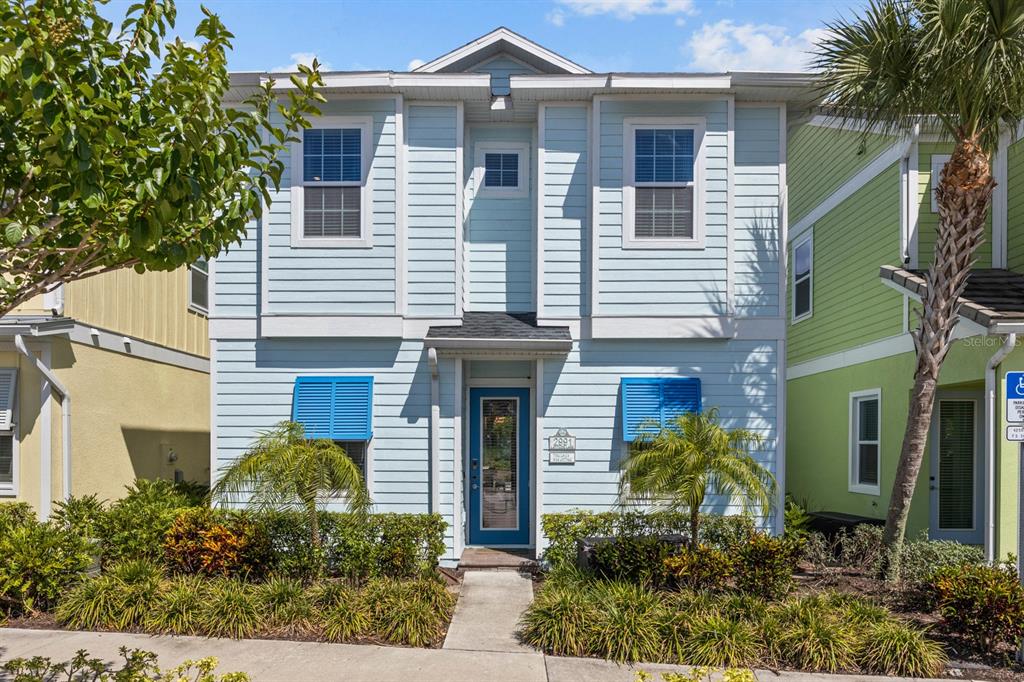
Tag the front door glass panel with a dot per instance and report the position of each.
(499, 469)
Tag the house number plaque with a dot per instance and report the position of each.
(562, 447)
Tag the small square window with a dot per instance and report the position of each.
(501, 170)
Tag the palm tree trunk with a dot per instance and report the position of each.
(314, 525)
(963, 197)
(694, 526)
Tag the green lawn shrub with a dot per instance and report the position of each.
(134, 526)
(983, 604)
(38, 561)
(80, 515)
(634, 558)
(700, 568)
(765, 565)
(15, 514)
(216, 543)
(563, 530)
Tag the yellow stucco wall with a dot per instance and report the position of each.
(128, 414)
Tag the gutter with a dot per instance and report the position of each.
(435, 432)
(65, 408)
(1009, 341)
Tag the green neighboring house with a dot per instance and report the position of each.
(861, 227)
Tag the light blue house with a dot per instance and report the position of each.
(480, 276)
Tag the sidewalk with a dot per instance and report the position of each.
(283, 661)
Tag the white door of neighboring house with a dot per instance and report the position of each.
(957, 469)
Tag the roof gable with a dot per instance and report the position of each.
(502, 40)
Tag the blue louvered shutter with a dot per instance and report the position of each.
(338, 408)
(654, 402)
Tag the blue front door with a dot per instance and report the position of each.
(499, 466)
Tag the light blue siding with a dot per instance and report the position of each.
(254, 382)
(500, 68)
(499, 233)
(339, 281)
(659, 281)
(565, 210)
(757, 191)
(235, 279)
(582, 395)
(432, 187)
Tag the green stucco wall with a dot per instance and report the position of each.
(822, 159)
(850, 304)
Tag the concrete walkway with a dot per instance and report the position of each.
(273, 660)
(489, 607)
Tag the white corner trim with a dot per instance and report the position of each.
(263, 241)
(887, 158)
(461, 290)
(780, 438)
(730, 208)
(458, 491)
(46, 437)
(522, 152)
(319, 326)
(539, 222)
(629, 127)
(214, 393)
(103, 339)
(537, 470)
(1000, 200)
(401, 206)
(365, 238)
(594, 212)
(914, 203)
(783, 244)
(853, 441)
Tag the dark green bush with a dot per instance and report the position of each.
(702, 568)
(134, 526)
(216, 542)
(983, 604)
(38, 561)
(355, 547)
(920, 558)
(765, 565)
(637, 559)
(563, 530)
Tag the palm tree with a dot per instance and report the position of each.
(677, 465)
(956, 66)
(284, 469)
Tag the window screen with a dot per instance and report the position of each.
(663, 175)
(501, 170)
(332, 173)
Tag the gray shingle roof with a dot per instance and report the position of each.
(993, 297)
(496, 325)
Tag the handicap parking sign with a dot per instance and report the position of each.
(1015, 397)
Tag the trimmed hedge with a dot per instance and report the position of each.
(565, 529)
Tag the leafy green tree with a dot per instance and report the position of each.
(677, 465)
(284, 469)
(117, 149)
(956, 66)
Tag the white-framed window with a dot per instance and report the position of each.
(502, 170)
(8, 433)
(938, 161)
(199, 286)
(865, 441)
(331, 201)
(803, 278)
(663, 183)
(357, 451)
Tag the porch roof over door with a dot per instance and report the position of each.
(499, 333)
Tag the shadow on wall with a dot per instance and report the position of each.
(160, 454)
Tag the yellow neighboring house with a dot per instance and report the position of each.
(104, 381)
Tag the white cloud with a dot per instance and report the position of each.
(627, 10)
(305, 58)
(415, 64)
(728, 46)
(556, 17)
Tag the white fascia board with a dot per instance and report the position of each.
(671, 82)
(318, 326)
(389, 80)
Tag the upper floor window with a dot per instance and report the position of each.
(663, 188)
(938, 163)
(865, 441)
(330, 201)
(803, 274)
(199, 286)
(502, 170)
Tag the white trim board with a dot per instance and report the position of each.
(114, 342)
(853, 441)
(887, 158)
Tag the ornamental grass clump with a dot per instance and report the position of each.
(347, 618)
(413, 613)
(626, 629)
(560, 621)
(92, 604)
(894, 648)
(179, 606)
(718, 640)
(285, 605)
(232, 609)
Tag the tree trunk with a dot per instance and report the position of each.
(694, 527)
(963, 197)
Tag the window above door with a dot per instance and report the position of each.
(502, 170)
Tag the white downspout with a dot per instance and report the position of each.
(65, 408)
(435, 433)
(991, 431)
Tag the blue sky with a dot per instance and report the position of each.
(603, 35)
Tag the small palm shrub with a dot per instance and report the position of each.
(626, 629)
(717, 640)
(765, 565)
(38, 562)
(179, 606)
(232, 609)
(560, 621)
(983, 604)
(894, 648)
(699, 568)
(214, 543)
